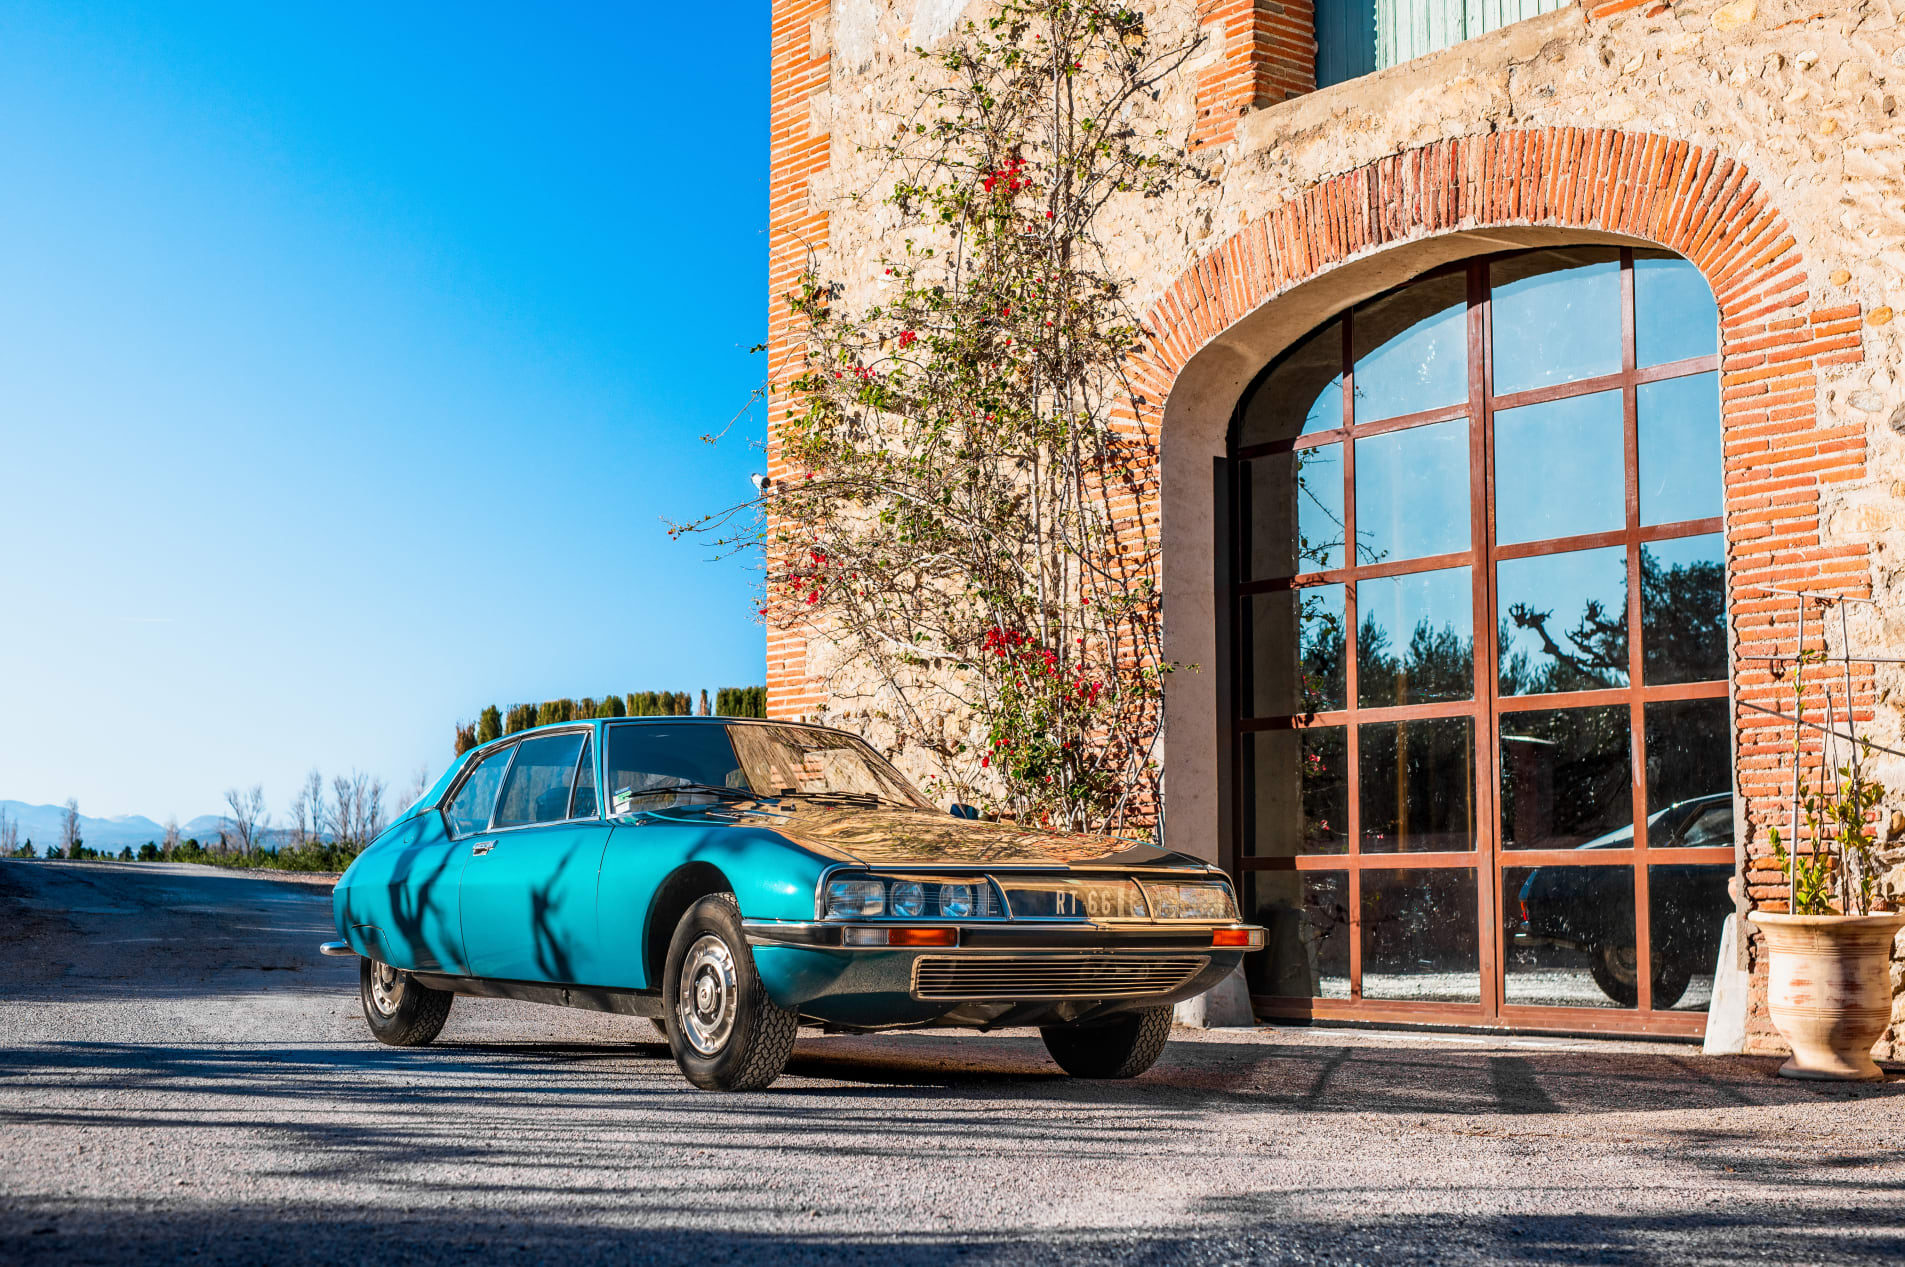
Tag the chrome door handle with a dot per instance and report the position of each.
(482, 847)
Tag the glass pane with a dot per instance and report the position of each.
(1277, 683)
(1569, 936)
(1674, 313)
(1563, 623)
(1303, 394)
(1567, 778)
(1683, 610)
(1573, 443)
(1412, 493)
(1556, 317)
(1416, 782)
(540, 781)
(1420, 938)
(1679, 421)
(583, 806)
(1293, 513)
(1687, 908)
(1411, 349)
(469, 812)
(1415, 638)
(1296, 792)
(1305, 917)
(1689, 773)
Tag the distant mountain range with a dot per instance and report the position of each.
(41, 825)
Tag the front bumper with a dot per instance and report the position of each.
(993, 975)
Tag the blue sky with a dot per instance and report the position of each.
(349, 361)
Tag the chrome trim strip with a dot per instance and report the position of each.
(337, 950)
(828, 934)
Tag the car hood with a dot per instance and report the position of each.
(884, 837)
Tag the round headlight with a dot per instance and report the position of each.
(906, 897)
(955, 899)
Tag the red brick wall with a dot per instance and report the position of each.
(1780, 454)
(797, 150)
(1268, 55)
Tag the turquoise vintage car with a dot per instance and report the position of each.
(735, 880)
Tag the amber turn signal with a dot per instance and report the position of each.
(1233, 937)
(922, 937)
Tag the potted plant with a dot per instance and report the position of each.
(1829, 988)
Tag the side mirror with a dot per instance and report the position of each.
(964, 811)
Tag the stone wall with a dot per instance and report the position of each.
(1761, 138)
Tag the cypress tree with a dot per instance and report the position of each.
(584, 709)
(489, 725)
(705, 710)
(610, 707)
(465, 739)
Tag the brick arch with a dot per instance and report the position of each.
(1780, 455)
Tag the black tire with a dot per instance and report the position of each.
(1613, 969)
(1120, 1048)
(401, 1012)
(726, 1033)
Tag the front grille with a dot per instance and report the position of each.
(1051, 976)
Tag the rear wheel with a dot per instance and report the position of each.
(726, 1033)
(1120, 1048)
(398, 1010)
(1616, 969)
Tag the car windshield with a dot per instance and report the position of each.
(649, 760)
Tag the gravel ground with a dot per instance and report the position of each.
(182, 1077)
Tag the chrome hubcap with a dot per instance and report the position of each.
(708, 996)
(386, 988)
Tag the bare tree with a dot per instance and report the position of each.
(419, 784)
(372, 801)
(312, 795)
(247, 818)
(171, 834)
(356, 811)
(69, 828)
(9, 835)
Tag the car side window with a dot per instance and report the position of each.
(469, 811)
(583, 806)
(1712, 827)
(540, 781)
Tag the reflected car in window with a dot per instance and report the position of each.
(1591, 908)
(737, 880)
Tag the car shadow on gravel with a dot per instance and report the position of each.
(1241, 1229)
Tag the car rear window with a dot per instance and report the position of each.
(541, 780)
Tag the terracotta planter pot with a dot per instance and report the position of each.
(1830, 992)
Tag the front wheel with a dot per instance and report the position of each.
(1121, 1048)
(398, 1010)
(726, 1033)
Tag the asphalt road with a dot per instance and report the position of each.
(182, 1078)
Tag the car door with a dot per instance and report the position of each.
(528, 889)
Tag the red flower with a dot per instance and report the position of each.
(908, 338)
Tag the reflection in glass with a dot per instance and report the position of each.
(1567, 778)
(1568, 936)
(1674, 314)
(1296, 793)
(1417, 782)
(1687, 908)
(1415, 638)
(1411, 349)
(1689, 764)
(1293, 513)
(1293, 652)
(1680, 449)
(1420, 938)
(1683, 610)
(1563, 621)
(1556, 317)
(1559, 469)
(1412, 493)
(1305, 917)
(1303, 394)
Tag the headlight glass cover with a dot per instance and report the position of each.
(849, 899)
(907, 898)
(1200, 901)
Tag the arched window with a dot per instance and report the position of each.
(1481, 761)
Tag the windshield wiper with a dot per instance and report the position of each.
(735, 793)
(855, 798)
